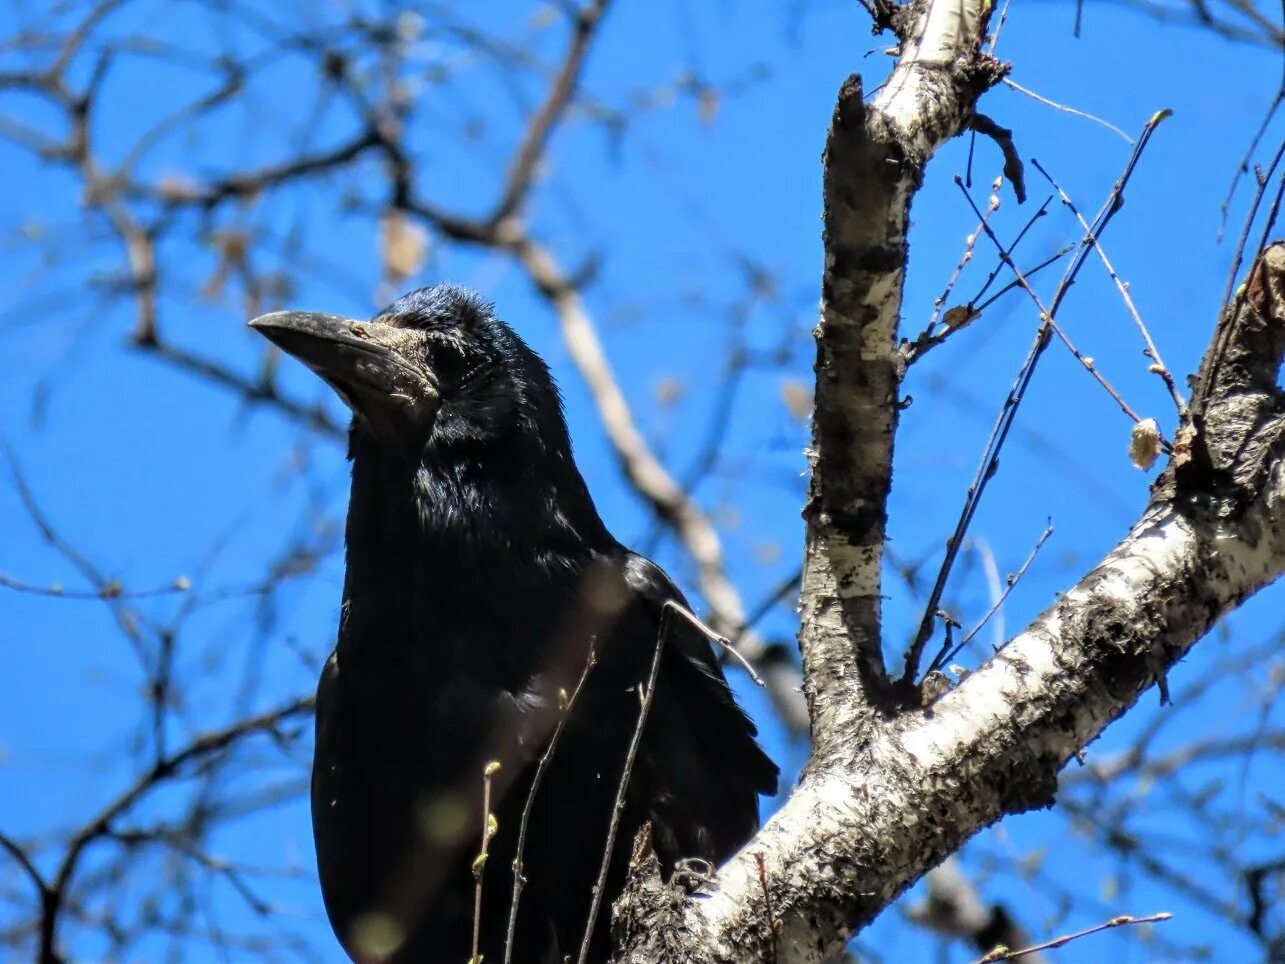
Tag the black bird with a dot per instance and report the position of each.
(481, 586)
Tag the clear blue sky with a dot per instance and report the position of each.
(145, 469)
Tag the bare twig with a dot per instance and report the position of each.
(1030, 272)
(989, 463)
(970, 242)
(1264, 179)
(489, 827)
(1004, 954)
(1040, 212)
(717, 638)
(23, 859)
(1243, 167)
(961, 316)
(1009, 82)
(253, 391)
(1087, 363)
(618, 808)
(100, 826)
(542, 766)
(526, 162)
(946, 655)
(110, 590)
(953, 906)
(999, 25)
(1158, 365)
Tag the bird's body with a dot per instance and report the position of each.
(480, 578)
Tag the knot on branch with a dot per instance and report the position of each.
(648, 917)
(983, 71)
(1235, 429)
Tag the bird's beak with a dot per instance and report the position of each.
(365, 362)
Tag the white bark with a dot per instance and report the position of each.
(864, 825)
(894, 785)
(874, 162)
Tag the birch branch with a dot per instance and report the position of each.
(874, 163)
(894, 786)
(872, 816)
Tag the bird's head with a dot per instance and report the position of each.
(434, 368)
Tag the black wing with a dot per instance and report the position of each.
(332, 823)
(700, 768)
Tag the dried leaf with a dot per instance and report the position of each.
(403, 246)
(797, 397)
(1144, 444)
(959, 316)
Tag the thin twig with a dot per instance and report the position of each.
(999, 265)
(127, 618)
(947, 654)
(1031, 272)
(1003, 18)
(989, 463)
(714, 637)
(1070, 110)
(1224, 333)
(527, 160)
(618, 808)
(545, 758)
(489, 827)
(1085, 361)
(24, 860)
(911, 352)
(1248, 156)
(970, 243)
(1270, 222)
(100, 826)
(1228, 303)
(1158, 365)
(1263, 181)
(112, 589)
(1123, 920)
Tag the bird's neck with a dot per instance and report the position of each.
(450, 550)
(456, 515)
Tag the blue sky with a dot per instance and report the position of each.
(145, 469)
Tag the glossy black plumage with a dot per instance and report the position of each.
(479, 576)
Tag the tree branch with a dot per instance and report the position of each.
(874, 162)
(873, 816)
